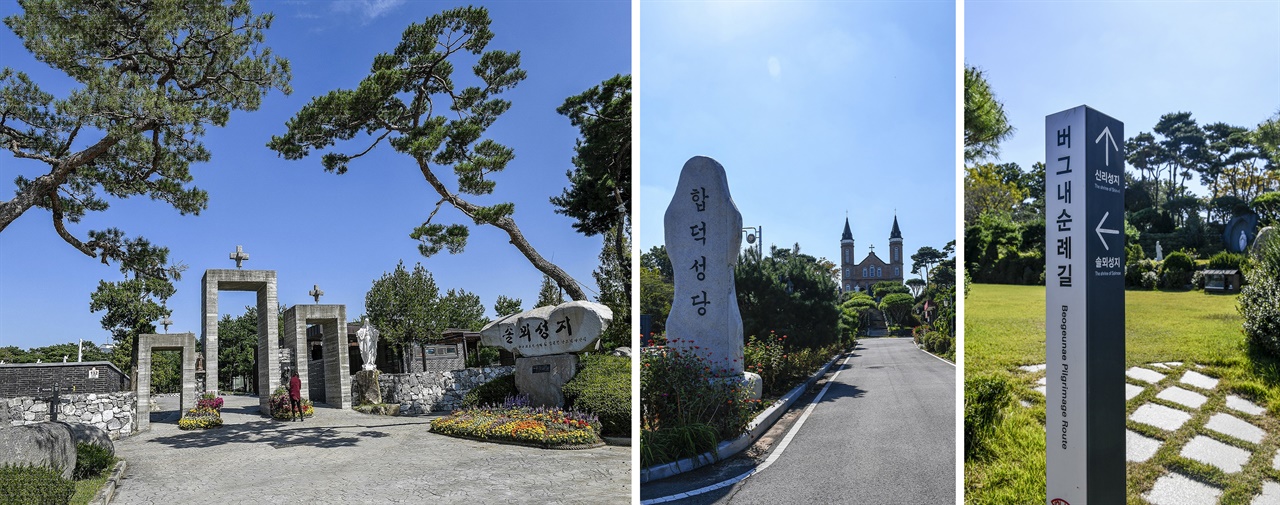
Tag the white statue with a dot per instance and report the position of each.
(1159, 252)
(368, 338)
(1244, 241)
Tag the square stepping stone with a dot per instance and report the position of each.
(1139, 448)
(1042, 381)
(1182, 397)
(1172, 363)
(1131, 391)
(1032, 368)
(1040, 389)
(1160, 416)
(1270, 494)
(1199, 380)
(1177, 489)
(1239, 404)
(1206, 450)
(1228, 424)
(1144, 375)
(1275, 462)
(1157, 365)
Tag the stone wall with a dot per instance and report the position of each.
(421, 392)
(26, 379)
(114, 412)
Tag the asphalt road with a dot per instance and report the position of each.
(884, 433)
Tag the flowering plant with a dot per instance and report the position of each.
(200, 418)
(521, 423)
(282, 408)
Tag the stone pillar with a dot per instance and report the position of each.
(269, 375)
(295, 335)
(209, 330)
(542, 377)
(337, 368)
(143, 385)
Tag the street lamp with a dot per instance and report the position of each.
(755, 236)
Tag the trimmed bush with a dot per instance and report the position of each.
(1260, 297)
(34, 484)
(603, 387)
(1175, 272)
(493, 392)
(1226, 260)
(985, 398)
(91, 460)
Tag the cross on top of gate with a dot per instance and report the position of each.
(166, 322)
(239, 256)
(316, 292)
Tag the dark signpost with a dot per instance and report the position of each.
(1084, 304)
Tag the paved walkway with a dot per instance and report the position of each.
(884, 433)
(348, 457)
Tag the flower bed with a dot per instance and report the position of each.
(200, 418)
(520, 423)
(281, 408)
(211, 401)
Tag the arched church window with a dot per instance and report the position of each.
(879, 272)
(864, 271)
(896, 272)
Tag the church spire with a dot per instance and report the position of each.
(848, 235)
(896, 233)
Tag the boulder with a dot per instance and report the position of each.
(49, 444)
(364, 388)
(621, 351)
(90, 434)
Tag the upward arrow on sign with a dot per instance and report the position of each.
(1100, 230)
(1106, 132)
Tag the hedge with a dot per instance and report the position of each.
(490, 393)
(34, 484)
(603, 387)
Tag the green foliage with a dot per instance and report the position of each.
(1226, 260)
(484, 356)
(985, 398)
(780, 366)
(603, 387)
(599, 193)
(998, 250)
(132, 305)
(413, 100)
(549, 293)
(673, 444)
(677, 392)
(34, 485)
(149, 78)
(1135, 274)
(937, 342)
(1267, 206)
(985, 124)
(613, 277)
(986, 193)
(237, 347)
(656, 258)
(91, 460)
(897, 308)
(491, 393)
(52, 353)
(462, 309)
(656, 295)
(856, 313)
(507, 306)
(1175, 271)
(1260, 297)
(790, 293)
(882, 289)
(406, 307)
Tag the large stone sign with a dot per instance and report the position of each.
(703, 235)
(566, 328)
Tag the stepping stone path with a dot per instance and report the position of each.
(1226, 437)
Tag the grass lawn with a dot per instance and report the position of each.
(1004, 328)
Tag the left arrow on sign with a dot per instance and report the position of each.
(1100, 230)
(1106, 132)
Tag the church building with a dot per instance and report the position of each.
(861, 275)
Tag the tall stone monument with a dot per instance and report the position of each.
(703, 235)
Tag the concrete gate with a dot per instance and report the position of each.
(264, 283)
(333, 321)
(182, 342)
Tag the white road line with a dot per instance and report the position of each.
(772, 457)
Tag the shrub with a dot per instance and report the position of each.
(897, 308)
(679, 390)
(484, 356)
(210, 400)
(603, 387)
(281, 408)
(34, 484)
(91, 460)
(1149, 280)
(781, 366)
(493, 392)
(1259, 301)
(1176, 270)
(1226, 260)
(985, 398)
(672, 444)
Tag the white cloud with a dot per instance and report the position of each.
(370, 9)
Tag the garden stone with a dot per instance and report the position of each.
(1264, 235)
(1199, 380)
(754, 384)
(1242, 405)
(1032, 368)
(703, 234)
(1176, 489)
(46, 444)
(1230, 425)
(1182, 397)
(1270, 494)
(1144, 375)
(542, 377)
(364, 388)
(1139, 448)
(1131, 391)
(1160, 416)
(622, 351)
(1206, 450)
(92, 435)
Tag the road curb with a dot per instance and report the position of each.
(108, 490)
(729, 448)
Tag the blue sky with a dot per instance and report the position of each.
(1133, 61)
(813, 108)
(312, 227)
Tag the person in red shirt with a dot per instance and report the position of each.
(295, 396)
